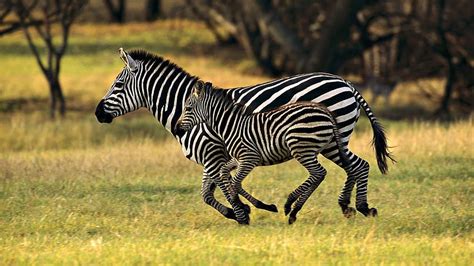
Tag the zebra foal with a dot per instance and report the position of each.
(297, 130)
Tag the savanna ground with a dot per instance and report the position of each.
(77, 192)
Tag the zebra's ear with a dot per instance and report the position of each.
(207, 87)
(127, 59)
(197, 88)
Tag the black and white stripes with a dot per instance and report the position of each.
(296, 130)
(154, 83)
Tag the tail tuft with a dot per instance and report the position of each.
(379, 141)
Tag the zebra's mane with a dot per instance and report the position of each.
(145, 56)
(227, 97)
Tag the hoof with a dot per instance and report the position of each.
(372, 212)
(349, 212)
(230, 215)
(246, 208)
(291, 220)
(364, 209)
(272, 208)
(244, 221)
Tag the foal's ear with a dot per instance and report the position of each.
(197, 88)
(127, 59)
(207, 86)
(201, 88)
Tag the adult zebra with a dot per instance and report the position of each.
(162, 87)
(297, 130)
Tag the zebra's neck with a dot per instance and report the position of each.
(225, 117)
(166, 87)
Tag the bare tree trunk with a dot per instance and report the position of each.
(57, 99)
(117, 13)
(53, 98)
(448, 90)
(213, 21)
(64, 14)
(152, 10)
(443, 109)
(335, 30)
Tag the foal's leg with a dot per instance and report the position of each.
(224, 185)
(207, 193)
(255, 202)
(246, 165)
(225, 174)
(316, 175)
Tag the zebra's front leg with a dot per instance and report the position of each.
(243, 170)
(207, 193)
(213, 171)
(225, 171)
(225, 174)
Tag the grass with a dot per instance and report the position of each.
(73, 191)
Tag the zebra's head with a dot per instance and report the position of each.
(194, 108)
(123, 96)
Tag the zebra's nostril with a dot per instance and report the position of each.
(101, 115)
(179, 130)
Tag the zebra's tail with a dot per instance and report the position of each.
(337, 136)
(342, 151)
(379, 141)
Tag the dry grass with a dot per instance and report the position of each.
(73, 191)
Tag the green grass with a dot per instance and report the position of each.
(73, 191)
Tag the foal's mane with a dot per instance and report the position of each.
(224, 95)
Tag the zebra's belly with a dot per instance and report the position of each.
(267, 163)
(275, 156)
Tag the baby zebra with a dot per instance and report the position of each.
(298, 130)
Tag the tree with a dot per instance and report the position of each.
(281, 37)
(411, 39)
(116, 11)
(152, 10)
(41, 17)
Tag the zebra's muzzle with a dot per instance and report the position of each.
(101, 115)
(180, 129)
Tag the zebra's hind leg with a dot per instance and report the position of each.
(207, 193)
(257, 203)
(316, 175)
(358, 174)
(362, 179)
(359, 170)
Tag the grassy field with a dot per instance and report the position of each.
(74, 191)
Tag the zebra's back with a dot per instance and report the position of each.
(330, 90)
(275, 133)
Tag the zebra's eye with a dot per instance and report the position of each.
(187, 108)
(118, 84)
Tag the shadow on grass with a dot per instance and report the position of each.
(148, 189)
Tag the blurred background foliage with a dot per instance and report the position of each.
(420, 48)
(74, 191)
